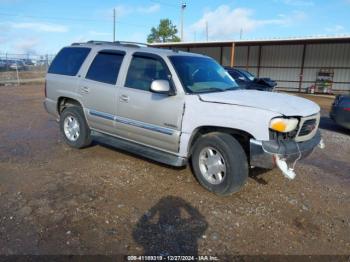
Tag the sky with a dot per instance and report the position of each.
(44, 26)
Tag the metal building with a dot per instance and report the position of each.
(297, 64)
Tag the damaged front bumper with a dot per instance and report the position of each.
(266, 154)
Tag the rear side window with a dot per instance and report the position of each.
(68, 61)
(105, 68)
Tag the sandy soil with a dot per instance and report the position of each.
(99, 200)
(23, 74)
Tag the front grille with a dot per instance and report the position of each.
(308, 127)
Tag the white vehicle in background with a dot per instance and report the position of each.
(177, 107)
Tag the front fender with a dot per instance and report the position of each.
(197, 113)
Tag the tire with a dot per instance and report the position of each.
(68, 127)
(229, 172)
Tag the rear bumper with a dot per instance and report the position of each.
(262, 152)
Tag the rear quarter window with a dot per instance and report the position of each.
(105, 67)
(68, 61)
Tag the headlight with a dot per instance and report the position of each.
(284, 125)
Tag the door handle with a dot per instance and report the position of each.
(124, 98)
(85, 89)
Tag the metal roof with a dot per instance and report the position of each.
(123, 45)
(267, 41)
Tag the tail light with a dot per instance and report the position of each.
(347, 108)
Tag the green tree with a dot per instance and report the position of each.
(165, 32)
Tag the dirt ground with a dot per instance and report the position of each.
(99, 200)
(22, 74)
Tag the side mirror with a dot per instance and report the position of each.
(160, 86)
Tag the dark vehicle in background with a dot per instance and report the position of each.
(17, 65)
(340, 112)
(246, 80)
(2, 64)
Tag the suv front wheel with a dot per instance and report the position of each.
(220, 163)
(74, 128)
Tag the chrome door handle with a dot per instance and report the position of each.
(124, 98)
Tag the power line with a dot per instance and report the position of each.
(72, 19)
(54, 18)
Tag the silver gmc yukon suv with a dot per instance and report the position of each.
(177, 107)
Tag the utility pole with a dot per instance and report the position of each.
(206, 30)
(241, 33)
(113, 24)
(183, 6)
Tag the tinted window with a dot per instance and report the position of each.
(248, 75)
(234, 74)
(105, 68)
(143, 70)
(69, 60)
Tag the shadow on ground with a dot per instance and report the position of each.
(171, 227)
(257, 175)
(328, 124)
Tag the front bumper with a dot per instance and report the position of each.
(263, 153)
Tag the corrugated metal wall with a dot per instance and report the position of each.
(213, 52)
(284, 62)
(334, 57)
(226, 56)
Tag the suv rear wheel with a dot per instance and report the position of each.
(74, 128)
(220, 163)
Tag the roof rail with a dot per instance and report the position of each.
(122, 43)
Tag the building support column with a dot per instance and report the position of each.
(248, 55)
(232, 62)
(259, 61)
(221, 51)
(301, 76)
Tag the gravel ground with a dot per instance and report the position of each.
(99, 200)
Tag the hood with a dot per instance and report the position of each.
(287, 105)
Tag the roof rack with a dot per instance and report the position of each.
(118, 43)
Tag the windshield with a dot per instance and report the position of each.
(202, 74)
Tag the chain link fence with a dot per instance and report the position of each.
(16, 69)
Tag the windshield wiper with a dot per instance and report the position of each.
(231, 88)
(212, 89)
